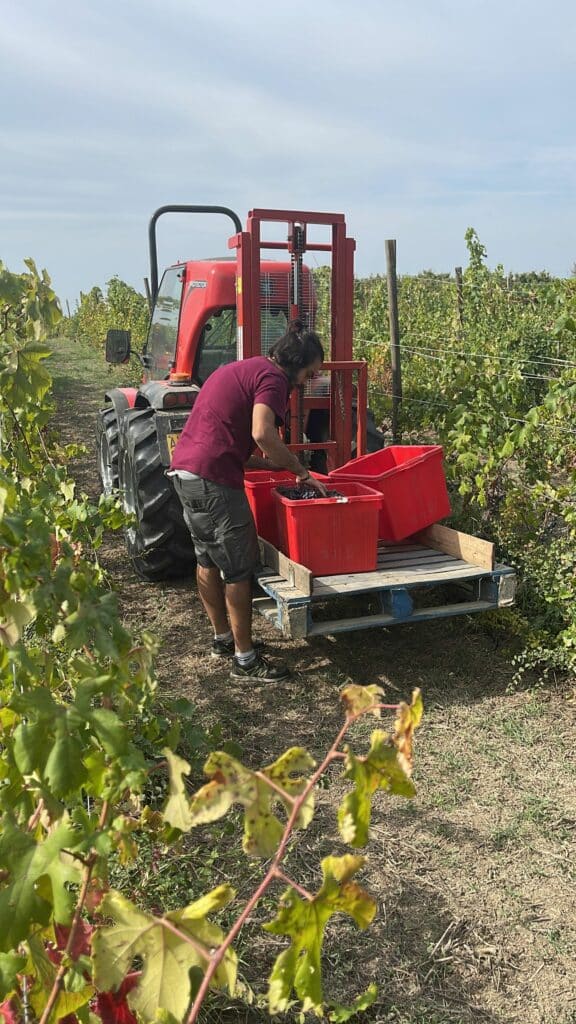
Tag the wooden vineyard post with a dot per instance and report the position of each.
(394, 337)
(459, 294)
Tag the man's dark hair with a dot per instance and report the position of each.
(297, 349)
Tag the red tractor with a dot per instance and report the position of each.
(209, 312)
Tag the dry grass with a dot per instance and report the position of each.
(475, 878)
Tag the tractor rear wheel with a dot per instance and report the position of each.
(158, 540)
(107, 442)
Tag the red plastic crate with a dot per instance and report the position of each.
(258, 485)
(329, 535)
(411, 480)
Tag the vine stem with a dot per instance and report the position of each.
(294, 885)
(277, 789)
(200, 948)
(35, 817)
(61, 973)
(273, 871)
(18, 426)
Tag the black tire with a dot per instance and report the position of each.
(374, 437)
(159, 542)
(108, 445)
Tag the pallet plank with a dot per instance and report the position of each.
(331, 626)
(329, 585)
(462, 545)
(298, 575)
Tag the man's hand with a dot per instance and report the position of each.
(310, 481)
(268, 440)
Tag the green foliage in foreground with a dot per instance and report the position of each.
(80, 743)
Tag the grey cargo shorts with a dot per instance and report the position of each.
(222, 527)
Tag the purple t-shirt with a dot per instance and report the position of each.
(217, 439)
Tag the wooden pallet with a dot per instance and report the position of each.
(301, 604)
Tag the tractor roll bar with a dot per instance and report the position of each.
(179, 209)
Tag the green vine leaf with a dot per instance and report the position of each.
(341, 1014)
(10, 965)
(64, 768)
(38, 874)
(232, 783)
(379, 769)
(167, 958)
(298, 968)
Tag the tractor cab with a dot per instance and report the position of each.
(206, 313)
(194, 324)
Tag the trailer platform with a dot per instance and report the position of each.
(409, 585)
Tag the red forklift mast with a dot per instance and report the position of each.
(340, 367)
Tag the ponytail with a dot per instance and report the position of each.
(297, 349)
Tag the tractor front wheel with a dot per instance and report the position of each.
(107, 442)
(157, 539)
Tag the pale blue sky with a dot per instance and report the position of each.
(415, 119)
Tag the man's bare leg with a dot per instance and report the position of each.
(239, 605)
(211, 590)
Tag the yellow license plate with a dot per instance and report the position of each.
(171, 440)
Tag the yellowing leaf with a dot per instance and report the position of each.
(381, 768)
(408, 718)
(67, 1003)
(14, 617)
(177, 810)
(167, 958)
(233, 783)
(340, 1014)
(359, 698)
(298, 968)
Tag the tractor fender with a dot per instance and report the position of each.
(154, 394)
(121, 398)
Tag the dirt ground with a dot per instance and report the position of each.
(475, 878)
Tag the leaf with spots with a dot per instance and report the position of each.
(357, 699)
(407, 720)
(298, 968)
(232, 783)
(381, 768)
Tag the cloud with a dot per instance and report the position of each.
(415, 120)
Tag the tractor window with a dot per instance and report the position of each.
(273, 326)
(163, 333)
(218, 339)
(217, 344)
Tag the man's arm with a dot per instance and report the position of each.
(257, 462)
(268, 439)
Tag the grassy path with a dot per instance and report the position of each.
(476, 878)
